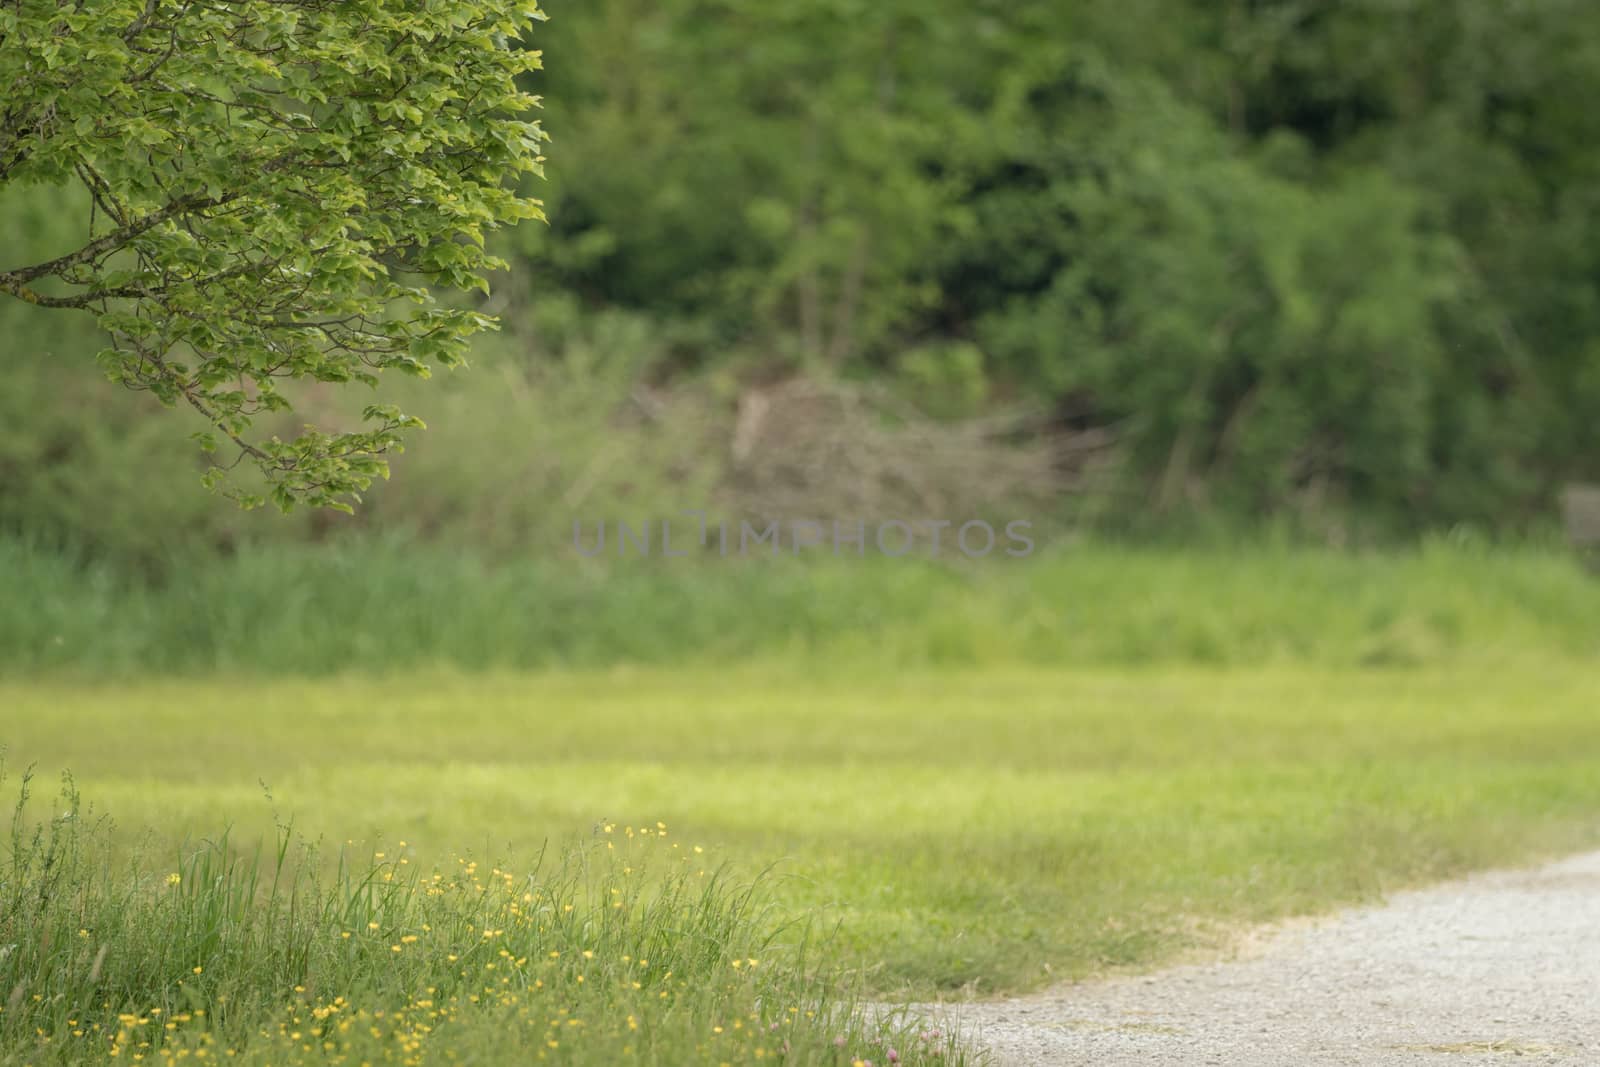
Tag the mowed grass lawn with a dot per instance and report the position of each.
(983, 828)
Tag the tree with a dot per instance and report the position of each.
(277, 189)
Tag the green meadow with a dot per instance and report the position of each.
(985, 828)
(1094, 761)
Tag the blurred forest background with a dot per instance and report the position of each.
(1142, 267)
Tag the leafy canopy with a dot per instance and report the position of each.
(277, 188)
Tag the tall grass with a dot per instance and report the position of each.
(623, 949)
(376, 606)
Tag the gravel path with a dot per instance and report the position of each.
(1499, 968)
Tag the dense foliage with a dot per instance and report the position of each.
(1299, 258)
(1288, 249)
(272, 188)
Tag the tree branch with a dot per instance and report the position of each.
(109, 243)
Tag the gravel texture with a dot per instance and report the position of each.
(1499, 968)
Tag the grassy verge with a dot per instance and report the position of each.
(381, 606)
(624, 950)
(991, 827)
